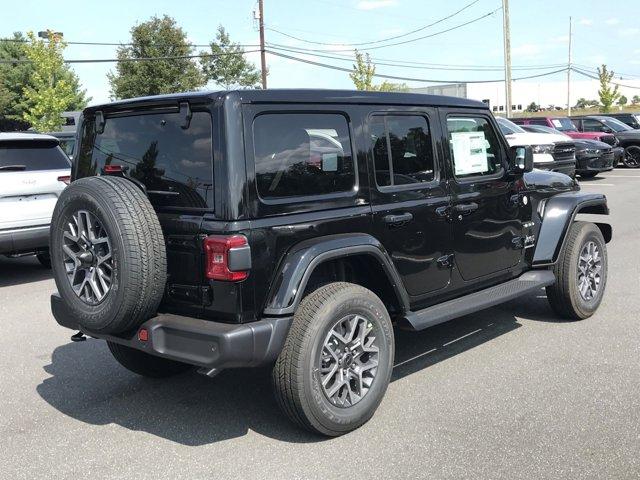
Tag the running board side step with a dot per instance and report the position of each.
(443, 312)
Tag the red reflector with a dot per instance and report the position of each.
(216, 249)
(112, 169)
(143, 335)
(65, 179)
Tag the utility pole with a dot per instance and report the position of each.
(507, 56)
(263, 61)
(569, 72)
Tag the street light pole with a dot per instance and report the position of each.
(569, 72)
(263, 61)
(507, 56)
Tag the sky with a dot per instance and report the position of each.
(603, 32)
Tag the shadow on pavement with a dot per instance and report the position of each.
(87, 384)
(16, 271)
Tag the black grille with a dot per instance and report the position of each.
(564, 151)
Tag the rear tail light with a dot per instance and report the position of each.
(66, 179)
(227, 257)
(109, 169)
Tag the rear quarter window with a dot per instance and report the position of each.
(302, 154)
(32, 156)
(174, 163)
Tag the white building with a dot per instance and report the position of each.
(523, 93)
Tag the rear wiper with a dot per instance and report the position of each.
(13, 167)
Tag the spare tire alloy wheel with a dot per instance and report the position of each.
(87, 257)
(632, 156)
(349, 361)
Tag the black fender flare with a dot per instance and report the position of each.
(559, 212)
(297, 266)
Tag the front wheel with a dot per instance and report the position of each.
(581, 273)
(588, 174)
(337, 360)
(631, 157)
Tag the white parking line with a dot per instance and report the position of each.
(620, 176)
(597, 184)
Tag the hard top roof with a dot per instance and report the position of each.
(295, 96)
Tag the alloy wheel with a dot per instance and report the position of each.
(589, 271)
(87, 257)
(349, 361)
(632, 156)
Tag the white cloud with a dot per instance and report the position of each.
(587, 22)
(629, 32)
(561, 39)
(375, 4)
(612, 21)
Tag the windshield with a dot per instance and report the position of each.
(508, 127)
(615, 125)
(31, 156)
(564, 124)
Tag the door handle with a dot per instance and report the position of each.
(399, 219)
(466, 208)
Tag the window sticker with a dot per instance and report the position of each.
(329, 162)
(469, 152)
(556, 123)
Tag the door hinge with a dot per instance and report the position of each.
(445, 261)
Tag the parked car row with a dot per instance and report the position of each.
(610, 129)
(33, 172)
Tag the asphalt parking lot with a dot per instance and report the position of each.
(506, 393)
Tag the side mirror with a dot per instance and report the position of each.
(606, 129)
(521, 160)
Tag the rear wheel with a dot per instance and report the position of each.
(581, 273)
(631, 157)
(144, 364)
(337, 360)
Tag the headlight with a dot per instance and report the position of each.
(542, 148)
(591, 151)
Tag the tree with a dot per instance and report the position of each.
(49, 91)
(157, 37)
(363, 72)
(635, 100)
(532, 107)
(15, 77)
(608, 95)
(228, 66)
(622, 101)
(391, 87)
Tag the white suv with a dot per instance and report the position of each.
(33, 172)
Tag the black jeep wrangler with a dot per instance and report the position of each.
(298, 227)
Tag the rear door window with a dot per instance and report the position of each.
(31, 156)
(174, 163)
(402, 149)
(302, 154)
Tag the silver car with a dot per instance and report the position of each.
(33, 172)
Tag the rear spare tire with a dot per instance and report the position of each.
(108, 254)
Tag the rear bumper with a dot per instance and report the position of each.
(27, 239)
(204, 343)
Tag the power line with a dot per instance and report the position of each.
(373, 42)
(585, 74)
(410, 79)
(422, 66)
(455, 27)
(139, 59)
(118, 44)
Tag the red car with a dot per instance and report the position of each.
(566, 126)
